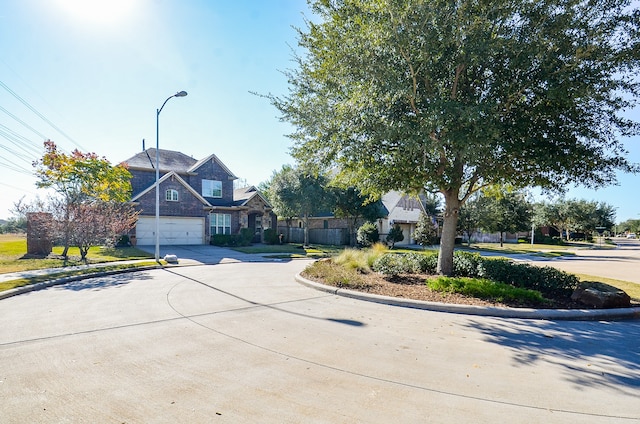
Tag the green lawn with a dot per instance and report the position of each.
(292, 250)
(13, 248)
(547, 250)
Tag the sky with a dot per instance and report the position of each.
(90, 74)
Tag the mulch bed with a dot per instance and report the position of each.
(413, 286)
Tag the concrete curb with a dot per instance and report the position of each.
(524, 313)
(63, 280)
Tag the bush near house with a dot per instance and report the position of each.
(233, 240)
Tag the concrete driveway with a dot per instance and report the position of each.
(241, 342)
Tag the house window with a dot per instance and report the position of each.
(211, 188)
(220, 223)
(171, 195)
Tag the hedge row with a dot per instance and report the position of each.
(549, 281)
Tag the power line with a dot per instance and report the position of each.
(24, 124)
(8, 164)
(17, 140)
(40, 115)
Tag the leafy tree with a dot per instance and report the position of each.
(508, 212)
(295, 192)
(395, 235)
(453, 96)
(470, 215)
(351, 205)
(426, 232)
(100, 222)
(629, 226)
(79, 178)
(573, 215)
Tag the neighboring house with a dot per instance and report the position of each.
(197, 200)
(403, 210)
(399, 209)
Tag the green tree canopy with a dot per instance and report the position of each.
(82, 180)
(294, 192)
(452, 96)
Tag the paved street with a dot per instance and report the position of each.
(242, 342)
(622, 263)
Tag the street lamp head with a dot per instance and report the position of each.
(181, 94)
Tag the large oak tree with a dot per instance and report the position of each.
(453, 95)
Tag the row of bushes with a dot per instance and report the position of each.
(547, 280)
(233, 240)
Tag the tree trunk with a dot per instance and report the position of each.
(449, 231)
(501, 239)
(306, 230)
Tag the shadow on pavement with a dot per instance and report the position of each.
(99, 283)
(608, 350)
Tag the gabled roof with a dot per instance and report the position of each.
(214, 158)
(169, 161)
(242, 196)
(179, 180)
(402, 207)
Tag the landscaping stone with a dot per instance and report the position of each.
(601, 296)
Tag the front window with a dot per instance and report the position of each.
(220, 223)
(211, 188)
(171, 195)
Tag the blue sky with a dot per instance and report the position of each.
(90, 74)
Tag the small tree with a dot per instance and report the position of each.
(79, 178)
(395, 235)
(426, 232)
(368, 234)
(506, 212)
(100, 223)
(351, 205)
(297, 192)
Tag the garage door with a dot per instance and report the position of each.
(173, 230)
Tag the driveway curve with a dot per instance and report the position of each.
(243, 343)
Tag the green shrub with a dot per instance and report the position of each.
(220, 240)
(395, 235)
(271, 236)
(547, 280)
(391, 264)
(405, 263)
(467, 264)
(367, 234)
(483, 288)
(245, 236)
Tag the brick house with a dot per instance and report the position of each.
(197, 200)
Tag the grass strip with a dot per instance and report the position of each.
(21, 282)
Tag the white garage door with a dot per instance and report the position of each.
(173, 230)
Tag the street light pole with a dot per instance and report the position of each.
(178, 94)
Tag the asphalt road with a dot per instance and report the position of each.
(622, 263)
(241, 342)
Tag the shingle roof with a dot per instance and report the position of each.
(169, 161)
(242, 195)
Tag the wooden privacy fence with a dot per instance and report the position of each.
(334, 236)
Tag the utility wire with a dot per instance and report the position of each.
(19, 141)
(24, 124)
(40, 115)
